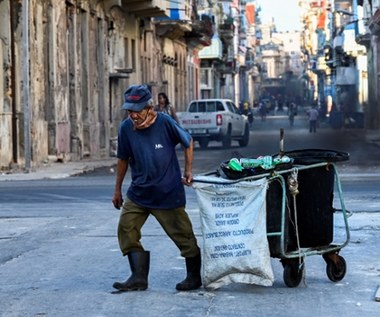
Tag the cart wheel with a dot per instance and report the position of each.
(336, 270)
(293, 273)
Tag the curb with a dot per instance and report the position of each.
(57, 170)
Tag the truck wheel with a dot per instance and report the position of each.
(227, 139)
(203, 143)
(245, 140)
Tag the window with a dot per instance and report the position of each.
(193, 107)
(211, 107)
(232, 107)
(206, 78)
(202, 107)
(133, 53)
(219, 106)
(126, 52)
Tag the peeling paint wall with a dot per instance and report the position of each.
(172, 71)
(82, 59)
(69, 93)
(5, 83)
(38, 80)
(124, 47)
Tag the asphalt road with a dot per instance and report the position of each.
(59, 254)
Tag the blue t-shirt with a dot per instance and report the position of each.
(156, 174)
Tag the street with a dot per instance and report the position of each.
(60, 256)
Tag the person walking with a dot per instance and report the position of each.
(165, 106)
(147, 142)
(262, 111)
(291, 113)
(247, 110)
(313, 117)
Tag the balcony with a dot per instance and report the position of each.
(214, 51)
(226, 67)
(201, 33)
(374, 23)
(145, 8)
(177, 24)
(172, 29)
(226, 30)
(364, 39)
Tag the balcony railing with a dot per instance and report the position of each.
(201, 33)
(226, 30)
(146, 8)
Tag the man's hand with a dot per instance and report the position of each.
(117, 200)
(122, 167)
(187, 178)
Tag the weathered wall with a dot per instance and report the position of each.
(172, 71)
(83, 55)
(5, 101)
(180, 70)
(124, 53)
(38, 80)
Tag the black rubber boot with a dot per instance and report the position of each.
(138, 281)
(193, 279)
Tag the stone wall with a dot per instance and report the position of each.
(83, 54)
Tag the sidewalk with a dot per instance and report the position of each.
(56, 170)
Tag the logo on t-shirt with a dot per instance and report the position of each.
(158, 146)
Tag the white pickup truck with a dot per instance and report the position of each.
(215, 120)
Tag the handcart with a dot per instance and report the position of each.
(300, 212)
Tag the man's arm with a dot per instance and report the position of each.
(122, 167)
(188, 174)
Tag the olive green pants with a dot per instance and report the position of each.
(175, 222)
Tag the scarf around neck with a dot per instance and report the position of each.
(150, 118)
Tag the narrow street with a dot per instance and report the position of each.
(59, 252)
(265, 140)
(72, 71)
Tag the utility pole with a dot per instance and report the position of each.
(25, 76)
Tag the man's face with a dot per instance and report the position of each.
(138, 117)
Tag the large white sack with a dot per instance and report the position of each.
(233, 221)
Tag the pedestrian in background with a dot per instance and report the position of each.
(165, 106)
(248, 111)
(313, 118)
(292, 110)
(147, 142)
(262, 111)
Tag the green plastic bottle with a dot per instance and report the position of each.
(234, 164)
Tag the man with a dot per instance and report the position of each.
(291, 113)
(313, 117)
(146, 143)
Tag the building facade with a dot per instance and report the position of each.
(65, 65)
(340, 47)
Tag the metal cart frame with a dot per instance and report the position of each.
(293, 261)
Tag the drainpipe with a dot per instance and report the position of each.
(236, 58)
(13, 84)
(25, 80)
